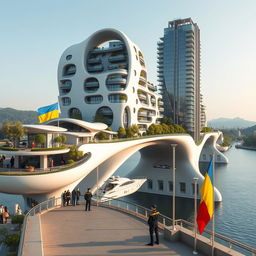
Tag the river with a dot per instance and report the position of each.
(235, 216)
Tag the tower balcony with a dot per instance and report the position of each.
(151, 87)
(116, 80)
(117, 58)
(161, 109)
(96, 68)
(95, 60)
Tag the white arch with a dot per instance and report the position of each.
(109, 156)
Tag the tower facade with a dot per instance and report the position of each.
(179, 74)
(104, 79)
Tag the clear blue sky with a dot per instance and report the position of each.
(35, 33)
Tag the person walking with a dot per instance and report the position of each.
(1, 214)
(153, 225)
(68, 196)
(88, 197)
(6, 215)
(78, 194)
(12, 162)
(64, 198)
(73, 196)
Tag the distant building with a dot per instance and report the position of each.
(104, 79)
(179, 75)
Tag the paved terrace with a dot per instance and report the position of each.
(102, 231)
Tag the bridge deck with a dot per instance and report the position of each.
(72, 231)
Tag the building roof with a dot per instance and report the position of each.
(37, 128)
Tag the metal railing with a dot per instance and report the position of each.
(165, 221)
(38, 209)
(141, 212)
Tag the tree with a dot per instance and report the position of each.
(206, 129)
(166, 120)
(135, 130)
(102, 136)
(99, 118)
(40, 139)
(152, 129)
(121, 132)
(74, 154)
(178, 129)
(159, 129)
(13, 130)
(171, 128)
(165, 128)
(60, 139)
(129, 132)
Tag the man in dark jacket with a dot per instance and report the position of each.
(88, 197)
(153, 225)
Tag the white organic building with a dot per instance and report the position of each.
(104, 78)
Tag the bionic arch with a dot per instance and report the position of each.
(109, 156)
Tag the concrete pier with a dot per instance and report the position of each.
(73, 231)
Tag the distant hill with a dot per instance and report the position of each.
(229, 123)
(24, 116)
(249, 131)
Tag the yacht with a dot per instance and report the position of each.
(118, 187)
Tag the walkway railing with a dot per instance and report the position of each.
(141, 212)
(38, 209)
(165, 221)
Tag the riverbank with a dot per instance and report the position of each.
(245, 147)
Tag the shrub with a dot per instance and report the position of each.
(12, 240)
(18, 219)
(70, 161)
(121, 132)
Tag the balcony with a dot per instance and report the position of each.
(153, 100)
(151, 114)
(116, 87)
(107, 49)
(95, 99)
(142, 80)
(69, 70)
(151, 87)
(142, 96)
(161, 109)
(66, 101)
(94, 60)
(122, 67)
(145, 119)
(117, 58)
(117, 98)
(66, 84)
(116, 80)
(142, 113)
(160, 103)
(96, 68)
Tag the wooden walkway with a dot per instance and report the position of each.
(102, 231)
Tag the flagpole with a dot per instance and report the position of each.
(173, 186)
(195, 214)
(213, 216)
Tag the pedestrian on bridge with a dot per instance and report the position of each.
(153, 225)
(88, 198)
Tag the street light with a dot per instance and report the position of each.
(173, 185)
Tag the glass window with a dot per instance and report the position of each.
(160, 185)
(68, 57)
(150, 184)
(183, 187)
(170, 184)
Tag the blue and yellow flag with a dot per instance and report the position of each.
(48, 112)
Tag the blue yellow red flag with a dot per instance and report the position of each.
(206, 208)
(48, 112)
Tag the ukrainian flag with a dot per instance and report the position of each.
(48, 112)
(206, 208)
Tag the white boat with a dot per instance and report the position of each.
(117, 187)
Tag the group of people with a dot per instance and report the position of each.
(10, 163)
(4, 214)
(71, 198)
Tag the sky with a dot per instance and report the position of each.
(34, 34)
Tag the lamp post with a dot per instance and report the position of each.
(195, 213)
(97, 193)
(173, 185)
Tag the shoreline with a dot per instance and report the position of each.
(245, 147)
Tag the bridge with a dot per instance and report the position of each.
(108, 156)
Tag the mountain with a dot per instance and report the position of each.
(249, 131)
(24, 116)
(229, 123)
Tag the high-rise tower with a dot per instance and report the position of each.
(179, 74)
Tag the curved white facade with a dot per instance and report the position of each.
(109, 156)
(108, 83)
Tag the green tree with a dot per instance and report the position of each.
(121, 132)
(102, 136)
(60, 139)
(135, 130)
(178, 129)
(158, 129)
(74, 154)
(171, 128)
(40, 139)
(99, 118)
(152, 129)
(13, 130)
(165, 128)
(166, 120)
(18, 219)
(129, 132)
(206, 129)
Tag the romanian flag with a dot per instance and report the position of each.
(48, 112)
(206, 208)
